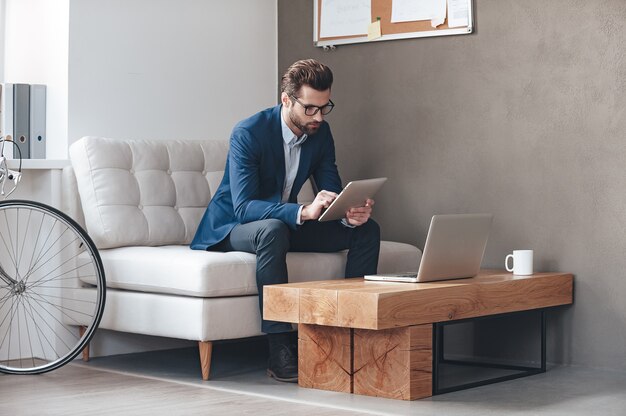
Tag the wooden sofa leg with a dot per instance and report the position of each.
(206, 348)
(81, 331)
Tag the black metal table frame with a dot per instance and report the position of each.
(524, 371)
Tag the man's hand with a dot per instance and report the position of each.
(359, 216)
(322, 201)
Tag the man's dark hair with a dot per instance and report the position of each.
(306, 72)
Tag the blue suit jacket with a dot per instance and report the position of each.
(252, 186)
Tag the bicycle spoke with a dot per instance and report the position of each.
(53, 317)
(43, 285)
(10, 330)
(59, 278)
(19, 259)
(39, 255)
(61, 287)
(19, 332)
(7, 315)
(7, 247)
(6, 220)
(30, 272)
(30, 344)
(5, 297)
(32, 256)
(38, 330)
(40, 281)
(59, 266)
(70, 299)
(17, 241)
(58, 307)
(42, 332)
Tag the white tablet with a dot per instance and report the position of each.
(353, 195)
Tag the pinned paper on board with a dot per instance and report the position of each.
(373, 31)
(411, 10)
(458, 13)
(345, 18)
(438, 21)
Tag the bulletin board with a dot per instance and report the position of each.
(382, 9)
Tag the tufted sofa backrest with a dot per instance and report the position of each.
(147, 192)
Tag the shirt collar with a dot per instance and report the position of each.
(289, 136)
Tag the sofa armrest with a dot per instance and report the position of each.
(70, 199)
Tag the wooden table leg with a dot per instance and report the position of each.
(393, 363)
(325, 358)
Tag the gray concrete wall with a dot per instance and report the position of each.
(526, 119)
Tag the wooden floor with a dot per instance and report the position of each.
(74, 390)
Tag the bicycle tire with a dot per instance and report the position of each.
(39, 321)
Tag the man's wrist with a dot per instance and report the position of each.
(304, 214)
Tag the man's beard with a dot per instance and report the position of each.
(306, 128)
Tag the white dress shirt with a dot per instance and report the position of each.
(292, 146)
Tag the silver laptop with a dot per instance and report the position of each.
(454, 249)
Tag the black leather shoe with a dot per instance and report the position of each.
(283, 362)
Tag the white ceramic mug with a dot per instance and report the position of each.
(522, 262)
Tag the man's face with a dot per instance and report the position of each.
(307, 96)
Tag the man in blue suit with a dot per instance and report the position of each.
(255, 208)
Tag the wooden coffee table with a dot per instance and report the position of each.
(376, 338)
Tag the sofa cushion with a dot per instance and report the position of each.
(176, 269)
(147, 192)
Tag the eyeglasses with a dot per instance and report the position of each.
(311, 110)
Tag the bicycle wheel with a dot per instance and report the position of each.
(51, 284)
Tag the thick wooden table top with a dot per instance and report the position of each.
(357, 303)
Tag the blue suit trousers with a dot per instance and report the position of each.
(272, 239)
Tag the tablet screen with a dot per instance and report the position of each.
(353, 195)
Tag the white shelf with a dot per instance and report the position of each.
(38, 163)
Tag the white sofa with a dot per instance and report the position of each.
(141, 202)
